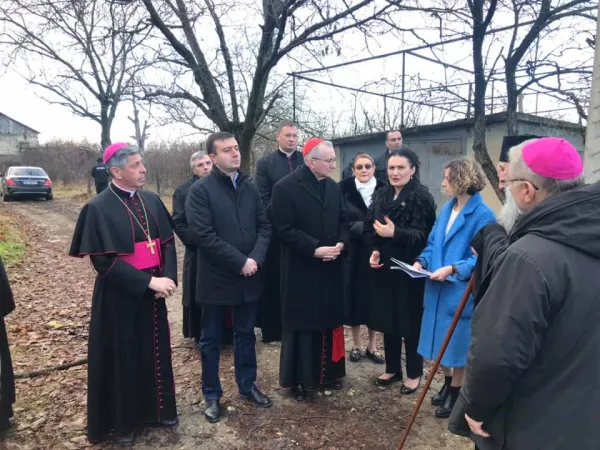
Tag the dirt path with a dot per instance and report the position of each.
(50, 327)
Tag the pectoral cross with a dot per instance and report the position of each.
(151, 244)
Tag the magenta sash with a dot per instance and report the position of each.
(142, 257)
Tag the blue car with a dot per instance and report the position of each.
(26, 181)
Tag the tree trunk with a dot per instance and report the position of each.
(106, 124)
(479, 147)
(245, 144)
(512, 96)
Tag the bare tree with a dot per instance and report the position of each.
(545, 15)
(141, 131)
(81, 52)
(231, 82)
(481, 18)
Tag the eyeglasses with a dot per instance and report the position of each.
(510, 180)
(331, 161)
(366, 166)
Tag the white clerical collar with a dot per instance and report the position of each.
(131, 193)
(288, 154)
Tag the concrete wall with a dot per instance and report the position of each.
(437, 147)
(434, 150)
(13, 135)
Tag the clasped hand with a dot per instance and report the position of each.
(329, 253)
(163, 286)
(250, 268)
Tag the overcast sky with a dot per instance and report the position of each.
(23, 103)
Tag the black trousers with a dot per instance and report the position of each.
(100, 187)
(392, 344)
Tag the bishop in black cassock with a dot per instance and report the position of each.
(128, 236)
(7, 379)
(269, 170)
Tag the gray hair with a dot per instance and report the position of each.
(119, 159)
(198, 155)
(316, 151)
(518, 169)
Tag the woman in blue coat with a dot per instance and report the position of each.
(449, 256)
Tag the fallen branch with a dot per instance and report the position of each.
(37, 373)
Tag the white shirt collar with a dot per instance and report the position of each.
(131, 193)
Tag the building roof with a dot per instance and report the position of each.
(20, 123)
(462, 123)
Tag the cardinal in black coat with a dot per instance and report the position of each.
(310, 217)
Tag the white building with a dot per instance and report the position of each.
(14, 136)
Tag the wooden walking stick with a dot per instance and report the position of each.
(436, 364)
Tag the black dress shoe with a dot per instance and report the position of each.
(444, 411)
(375, 356)
(440, 398)
(125, 441)
(334, 386)
(382, 382)
(299, 393)
(5, 424)
(257, 398)
(169, 422)
(405, 390)
(212, 412)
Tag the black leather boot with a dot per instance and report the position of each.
(439, 398)
(444, 411)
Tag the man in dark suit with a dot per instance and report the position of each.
(192, 312)
(269, 170)
(228, 225)
(393, 142)
(310, 218)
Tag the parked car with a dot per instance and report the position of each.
(26, 181)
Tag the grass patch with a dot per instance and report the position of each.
(12, 246)
(77, 191)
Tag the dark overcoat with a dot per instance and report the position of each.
(228, 225)
(396, 300)
(269, 170)
(181, 230)
(357, 272)
(308, 214)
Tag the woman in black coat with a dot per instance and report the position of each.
(358, 191)
(397, 225)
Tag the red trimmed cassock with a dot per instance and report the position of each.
(130, 376)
